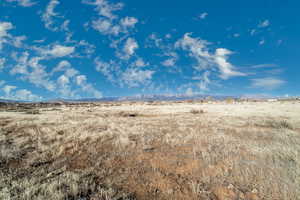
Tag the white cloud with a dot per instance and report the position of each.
(31, 70)
(168, 36)
(4, 27)
(198, 49)
(252, 31)
(264, 66)
(64, 87)
(128, 22)
(104, 8)
(49, 15)
(226, 68)
(268, 83)
(236, 35)
(110, 70)
(26, 95)
(8, 89)
(81, 81)
(5, 37)
(38, 75)
(204, 81)
(63, 80)
(10, 92)
(169, 62)
(71, 75)
(18, 41)
(140, 63)
(60, 51)
(203, 15)
(129, 48)
(189, 92)
(264, 24)
(88, 48)
(109, 27)
(71, 72)
(2, 63)
(108, 22)
(24, 3)
(262, 42)
(62, 66)
(106, 27)
(2, 82)
(134, 77)
(65, 25)
(22, 64)
(153, 38)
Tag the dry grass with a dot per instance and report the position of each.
(278, 124)
(33, 112)
(152, 151)
(194, 111)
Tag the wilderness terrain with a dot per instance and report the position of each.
(150, 150)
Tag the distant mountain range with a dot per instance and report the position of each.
(179, 97)
(156, 97)
(10, 101)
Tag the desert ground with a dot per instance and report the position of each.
(151, 150)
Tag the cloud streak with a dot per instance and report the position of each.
(24, 3)
(199, 50)
(268, 83)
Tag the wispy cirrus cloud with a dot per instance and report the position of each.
(264, 24)
(24, 3)
(105, 8)
(203, 15)
(268, 83)
(49, 15)
(53, 20)
(199, 50)
(2, 63)
(267, 65)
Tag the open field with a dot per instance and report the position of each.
(160, 150)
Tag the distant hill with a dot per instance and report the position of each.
(156, 97)
(9, 101)
(179, 97)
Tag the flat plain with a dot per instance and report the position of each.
(151, 150)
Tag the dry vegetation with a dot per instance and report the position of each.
(159, 150)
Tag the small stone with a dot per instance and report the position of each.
(255, 191)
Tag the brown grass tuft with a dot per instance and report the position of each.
(195, 111)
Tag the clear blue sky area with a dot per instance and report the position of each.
(98, 48)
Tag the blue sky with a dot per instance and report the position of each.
(96, 48)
